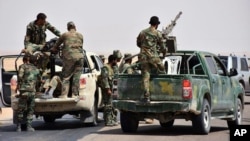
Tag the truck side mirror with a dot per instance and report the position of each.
(233, 72)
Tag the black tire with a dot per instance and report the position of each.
(129, 123)
(167, 124)
(202, 122)
(238, 115)
(90, 118)
(49, 118)
(94, 113)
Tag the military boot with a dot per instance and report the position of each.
(30, 128)
(18, 128)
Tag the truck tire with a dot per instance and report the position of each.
(90, 118)
(202, 122)
(129, 122)
(49, 118)
(238, 115)
(167, 124)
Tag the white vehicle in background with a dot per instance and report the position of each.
(85, 107)
(241, 64)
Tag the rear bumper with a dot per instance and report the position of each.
(55, 105)
(153, 106)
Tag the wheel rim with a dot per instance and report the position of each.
(206, 117)
(239, 114)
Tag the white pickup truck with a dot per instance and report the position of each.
(241, 64)
(85, 107)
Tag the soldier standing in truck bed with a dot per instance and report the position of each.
(72, 56)
(148, 41)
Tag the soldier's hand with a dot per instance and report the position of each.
(23, 51)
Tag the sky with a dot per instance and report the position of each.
(217, 26)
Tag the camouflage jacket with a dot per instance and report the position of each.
(28, 76)
(36, 34)
(106, 77)
(150, 41)
(72, 45)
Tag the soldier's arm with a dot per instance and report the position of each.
(27, 36)
(53, 29)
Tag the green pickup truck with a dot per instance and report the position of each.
(197, 87)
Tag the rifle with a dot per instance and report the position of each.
(170, 27)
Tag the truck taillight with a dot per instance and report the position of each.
(82, 82)
(186, 89)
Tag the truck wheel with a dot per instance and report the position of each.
(94, 113)
(202, 122)
(49, 118)
(238, 115)
(129, 122)
(167, 124)
(90, 118)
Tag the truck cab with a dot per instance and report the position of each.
(241, 64)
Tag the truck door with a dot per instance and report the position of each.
(244, 72)
(7, 70)
(226, 97)
(215, 82)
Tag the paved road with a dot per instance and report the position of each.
(70, 129)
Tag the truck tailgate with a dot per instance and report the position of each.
(162, 87)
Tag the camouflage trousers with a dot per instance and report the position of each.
(26, 105)
(55, 83)
(150, 65)
(109, 112)
(32, 48)
(71, 69)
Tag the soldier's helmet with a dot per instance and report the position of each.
(126, 55)
(154, 20)
(117, 54)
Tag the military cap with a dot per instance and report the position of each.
(117, 53)
(154, 20)
(70, 24)
(102, 56)
(126, 55)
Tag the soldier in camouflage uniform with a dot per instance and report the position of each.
(107, 74)
(127, 64)
(103, 58)
(149, 40)
(35, 37)
(72, 56)
(28, 75)
(118, 55)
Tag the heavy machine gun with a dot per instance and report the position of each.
(170, 40)
(169, 28)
